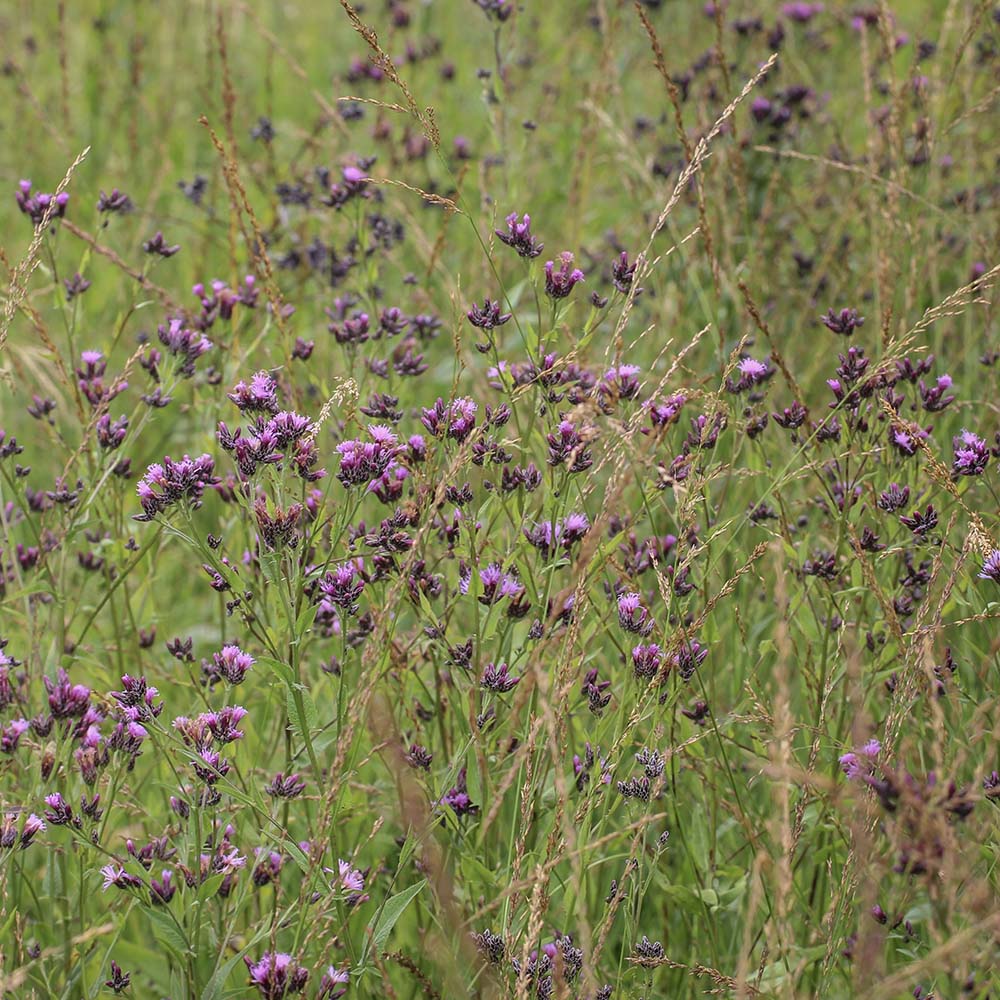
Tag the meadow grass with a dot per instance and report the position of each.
(400, 597)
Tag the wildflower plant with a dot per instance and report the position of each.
(392, 606)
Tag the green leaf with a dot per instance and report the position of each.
(167, 932)
(209, 887)
(391, 911)
(307, 720)
(283, 670)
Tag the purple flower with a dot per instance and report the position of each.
(33, 825)
(632, 616)
(333, 985)
(341, 588)
(936, 397)
(282, 787)
(972, 455)
(622, 273)
(662, 413)
(857, 763)
(66, 700)
(646, 660)
(843, 323)
(567, 444)
(36, 206)
(620, 382)
(158, 245)
(185, 344)
(115, 875)
(117, 201)
(791, 416)
(260, 396)
(801, 12)
(10, 735)
(352, 881)
(457, 797)
(496, 678)
(558, 284)
(518, 236)
(232, 663)
(172, 482)
(59, 812)
(223, 723)
(161, 890)
(456, 419)
(991, 567)
(921, 523)
(362, 462)
(894, 498)
(277, 975)
(119, 981)
(496, 584)
(110, 434)
(488, 315)
(688, 658)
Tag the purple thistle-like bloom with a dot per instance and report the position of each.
(119, 981)
(161, 890)
(282, 787)
(352, 881)
(646, 660)
(333, 985)
(488, 315)
(632, 616)
(558, 284)
(260, 396)
(801, 12)
(210, 766)
(10, 735)
(59, 812)
(519, 237)
(362, 462)
(855, 764)
(991, 567)
(115, 875)
(456, 419)
(622, 273)
(843, 323)
(496, 583)
(66, 700)
(662, 413)
(972, 455)
(752, 372)
(936, 397)
(110, 434)
(341, 588)
(921, 523)
(277, 975)
(223, 723)
(232, 663)
(457, 797)
(277, 530)
(894, 498)
(36, 205)
(185, 344)
(170, 483)
(620, 382)
(567, 443)
(496, 678)
(791, 416)
(688, 658)
(33, 826)
(137, 699)
(906, 440)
